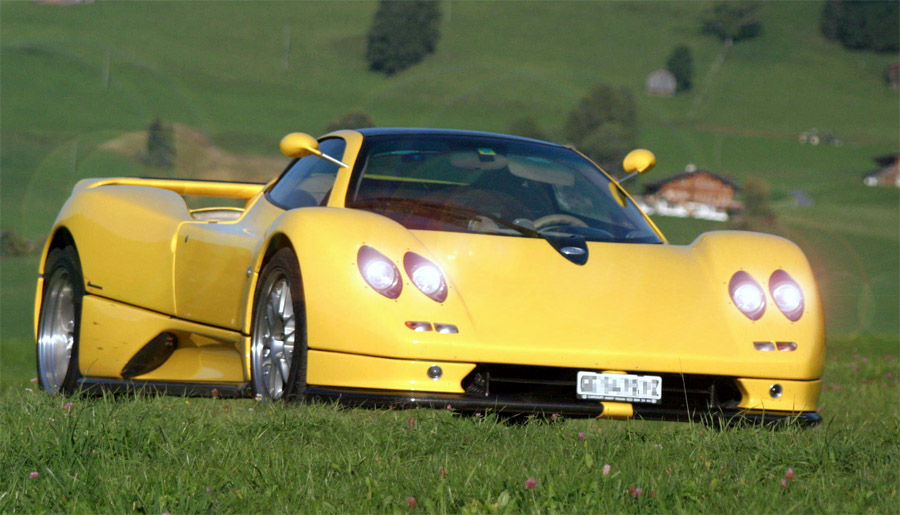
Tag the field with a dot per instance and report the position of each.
(80, 83)
(217, 455)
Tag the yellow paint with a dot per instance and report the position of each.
(639, 161)
(38, 295)
(617, 410)
(355, 371)
(634, 308)
(111, 333)
(796, 396)
(238, 190)
(299, 144)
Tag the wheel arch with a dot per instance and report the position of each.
(276, 242)
(61, 238)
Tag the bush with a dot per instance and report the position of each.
(14, 244)
(681, 65)
(863, 24)
(757, 211)
(604, 124)
(733, 21)
(402, 34)
(160, 145)
(351, 120)
(527, 128)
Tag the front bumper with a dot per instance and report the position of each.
(516, 405)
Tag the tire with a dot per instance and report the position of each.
(278, 344)
(59, 325)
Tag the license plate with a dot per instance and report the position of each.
(619, 387)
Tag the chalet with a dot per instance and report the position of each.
(661, 83)
(888, 172)
(694, 193)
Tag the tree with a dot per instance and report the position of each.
(681, 65)
(757, 211)
(863, 24)
(160, 145)
(402, 34)
(734, 21)
(351, 120)
(604, 124)
(527, 128)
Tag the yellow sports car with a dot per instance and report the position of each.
(413, 267)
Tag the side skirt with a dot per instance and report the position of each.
(228, 390)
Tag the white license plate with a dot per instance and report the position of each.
(619, 387)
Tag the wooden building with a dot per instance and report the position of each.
(888, 172)
(694, 193)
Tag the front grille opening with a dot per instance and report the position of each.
(686, 393)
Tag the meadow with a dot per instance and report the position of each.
(148, 454)
(78, 81)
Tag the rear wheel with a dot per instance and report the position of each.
(60, 322)
(278, 344)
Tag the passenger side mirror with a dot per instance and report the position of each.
(639, 161)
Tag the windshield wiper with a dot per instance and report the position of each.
(571, 246)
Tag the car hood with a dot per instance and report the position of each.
(517, 300)
(629, 307)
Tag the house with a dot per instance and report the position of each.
(661, 83)
(694, 193)
(888, 172)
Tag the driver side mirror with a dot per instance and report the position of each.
(299, 144)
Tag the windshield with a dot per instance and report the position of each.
(493, 185)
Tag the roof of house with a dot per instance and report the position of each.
(887, 159)
(657, 185)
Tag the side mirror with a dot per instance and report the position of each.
(298, 144)
(639, 161)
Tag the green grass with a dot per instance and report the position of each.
(217, 455)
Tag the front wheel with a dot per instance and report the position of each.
(59, 322)
(278, 344)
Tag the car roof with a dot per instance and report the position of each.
(416, 131)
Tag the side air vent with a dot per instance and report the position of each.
(151, 356)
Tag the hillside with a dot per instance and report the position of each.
(75, 78)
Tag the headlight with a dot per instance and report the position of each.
(747, 295)
(426, 276)
(787, 295)
(379, 272)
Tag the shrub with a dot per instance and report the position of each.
(681, 65)
(527, 128)
(402, 34)
(604, 124)
(14, 244)
(351, 120)
(863, 24)
(160, 145)
(733, 21)
(757, 211)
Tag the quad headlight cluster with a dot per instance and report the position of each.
(384, 277)
(750, 298)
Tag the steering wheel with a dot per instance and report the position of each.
(558, 219)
